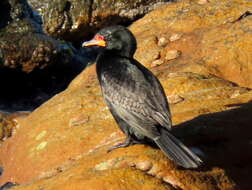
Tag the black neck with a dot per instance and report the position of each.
(121, 53)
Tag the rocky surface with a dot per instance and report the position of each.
(24, 48)
(63, 144)
(76, 19)
(24, 45)
(210, 39)
(8, 124)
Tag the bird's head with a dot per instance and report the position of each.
(116, 38)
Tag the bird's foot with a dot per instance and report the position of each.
(119, 145)
(126, 143)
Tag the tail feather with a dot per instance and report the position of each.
(177, 151)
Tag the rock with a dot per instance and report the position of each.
(24, 45)
(5, 129)
(214, 41)
(8, 124)
(172, 54)
(174, 99)
(29, 51)
(24, 48)
(74, 20)
(162, 41)
(202, 2)
(157, 63)
(60, 156)
(175, 37)
(81, 119)
(151, 53)
(144, 166)
(63, 144)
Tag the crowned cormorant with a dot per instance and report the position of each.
(135, 96)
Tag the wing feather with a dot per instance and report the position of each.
(136, 95)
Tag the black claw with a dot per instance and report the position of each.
(119, 145)
(128, 142)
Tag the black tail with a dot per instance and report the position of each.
(177, 151)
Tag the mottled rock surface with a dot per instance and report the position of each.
(65, 140)
(75, 19)
(213, 37)
(8, 124)
(24, 48)
(24, 45)
(5, 126)
(63, 144)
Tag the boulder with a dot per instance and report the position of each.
(7, 124)
(33, 66)
(23, 45)
(199, 37)
(76, 19)
(63, 144)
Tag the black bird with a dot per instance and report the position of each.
(135, 96)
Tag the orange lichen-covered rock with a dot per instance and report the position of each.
(213, 37)
(63, 144)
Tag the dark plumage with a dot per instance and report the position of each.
(135, 97)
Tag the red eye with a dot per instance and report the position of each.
(99, 37)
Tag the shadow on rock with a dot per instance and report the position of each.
(4, 13)
(225, 139)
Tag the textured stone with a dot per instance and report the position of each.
(75, 19)
(46, 146)
(157, 63)
(5, 126)
(162, 41)
(25, 48)
(8, 123)
(175, 37)
(63, 144)
(144, 166)
(172, 54)
(24, 45)
(215, 41)
(202, 2)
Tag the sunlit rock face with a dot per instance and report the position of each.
(63, 144)
(76, 19)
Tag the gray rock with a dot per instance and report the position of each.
(33, 65)
(76, 19)
(24, 45)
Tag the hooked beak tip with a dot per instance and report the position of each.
(84, 44)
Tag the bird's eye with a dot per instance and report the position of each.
(99, 37)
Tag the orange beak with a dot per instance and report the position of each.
(98, 40)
